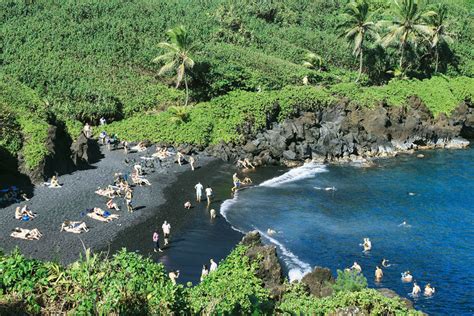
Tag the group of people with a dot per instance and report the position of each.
(406, 276)
(24, 214)
(166, 227)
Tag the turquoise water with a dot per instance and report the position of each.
(322, 213)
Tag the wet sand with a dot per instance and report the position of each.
(195, 237)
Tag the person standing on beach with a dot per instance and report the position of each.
(166, 232)
(208, 195)
(87, 130)
(128, 199)
(156, 240)
(191, 162)
(198, 188)
(213, 266)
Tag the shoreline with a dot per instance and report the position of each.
(54, 206)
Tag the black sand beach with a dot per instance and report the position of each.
(195, 237)
(54, 206)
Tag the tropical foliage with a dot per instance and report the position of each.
(177, 57)
(130, 284)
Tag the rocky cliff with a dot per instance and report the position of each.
(347, 132)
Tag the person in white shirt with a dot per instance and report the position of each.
(102, 121)
(213, 266)
(166, 232)
(208, 195)
(198, 188)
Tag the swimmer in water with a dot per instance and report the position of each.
(385, 263)
(271, 231)
(213, 213)
(406, 276)
(356, 267)
(429, 291)
(378, 274)
(416, 289)
(173, 275)
(367, 244)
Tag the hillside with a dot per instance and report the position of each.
(89, 59)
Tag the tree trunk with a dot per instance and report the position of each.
(437, 59)
(187, 92)
(402, 51)
(360, 64)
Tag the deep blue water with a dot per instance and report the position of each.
(325, 227)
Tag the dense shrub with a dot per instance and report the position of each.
(296, 301)
(351, 281)
(232, 289)
(27, 116)
(127, 283)
(440, 94)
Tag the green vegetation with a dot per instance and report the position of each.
(230, 117)
(249, 63)
(25, 117)
(297, 302)
(129, 284)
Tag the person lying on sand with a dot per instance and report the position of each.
(108, 192)
(25, 197)
(187, 205)
(101, 215)
(138, 180)
(112, 205)
(74, 227)
(24, 214)
(27, 234)
(139, 147)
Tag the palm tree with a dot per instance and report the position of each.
(439, 31)
(177, 56)
(407, 26)
(313, 61)
(358, 27)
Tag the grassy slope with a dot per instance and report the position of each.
(92, 58)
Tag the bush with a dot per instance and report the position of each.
(27, 115)
(296, 301)
(351, 281)
(232, 289)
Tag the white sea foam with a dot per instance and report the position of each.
(308, 170)
(296, 268)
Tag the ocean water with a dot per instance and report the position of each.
(322, 213)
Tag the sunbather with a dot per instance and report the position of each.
(24, 213)
(112, 205)
(74, 227)
(27, 234)
(101, 215)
